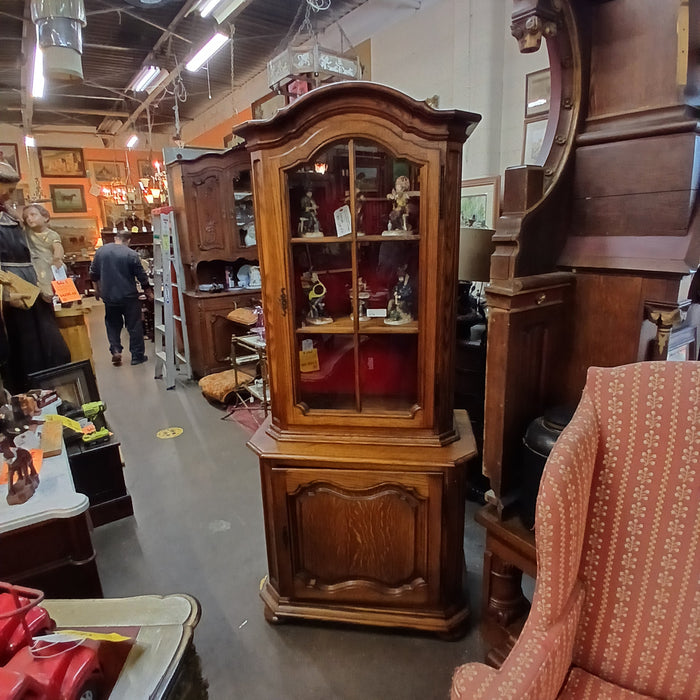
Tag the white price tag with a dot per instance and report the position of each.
(343, 220)
(376, 313)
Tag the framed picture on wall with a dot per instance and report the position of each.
(537, 93)
(533, 140)
(9, 154)
(145, 168)
(68, 199)
(479, 202)
(107, 170)
(61, 162)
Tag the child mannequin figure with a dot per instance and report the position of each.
(45, 247)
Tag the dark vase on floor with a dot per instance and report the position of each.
(538, 442)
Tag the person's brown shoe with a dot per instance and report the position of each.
(116, 359)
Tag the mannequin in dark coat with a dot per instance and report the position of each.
(30, 340)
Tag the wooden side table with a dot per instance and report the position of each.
(162, 664)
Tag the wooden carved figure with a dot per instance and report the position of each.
(22, 477)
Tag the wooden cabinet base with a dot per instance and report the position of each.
(449, 624)
(366, 534)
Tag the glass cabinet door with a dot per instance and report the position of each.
(243, 209)
(354, 223)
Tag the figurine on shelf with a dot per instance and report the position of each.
(359, 204)
(398, 218)
(317, 307)
(363, 294)
(309, 226)
(400, 307)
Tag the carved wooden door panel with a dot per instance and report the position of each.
(207, 213)
(361, 536)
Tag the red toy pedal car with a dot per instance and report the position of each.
(13, 635)
(51, 668)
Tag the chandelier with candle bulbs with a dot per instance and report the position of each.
(154, 187)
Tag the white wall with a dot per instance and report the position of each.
(461, 50)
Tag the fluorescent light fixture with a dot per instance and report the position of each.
(207, 6)
(133, 140)
(38, 77)
(220, 9)
(148, 78)
(206, 52)
(29, 141)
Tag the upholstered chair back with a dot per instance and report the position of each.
(640, 552)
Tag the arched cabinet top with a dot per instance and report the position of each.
(358, 97)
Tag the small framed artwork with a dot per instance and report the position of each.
(266, 106)
(145, 168)
(61, 162)
(10, 155)
(479, 203)
(74, 383)
(107, 170)
(537, 93)
(68, 199)
(533, 140)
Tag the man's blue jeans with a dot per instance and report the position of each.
(117, 316)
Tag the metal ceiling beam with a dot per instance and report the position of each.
(109, 98)
(74, 110)
(128, 11)
(184, 11)
(109, 47)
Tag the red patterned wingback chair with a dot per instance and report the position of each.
(616, 608)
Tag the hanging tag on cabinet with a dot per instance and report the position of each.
(343, 220)
(308, 357)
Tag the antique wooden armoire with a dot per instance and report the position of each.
(596, 244)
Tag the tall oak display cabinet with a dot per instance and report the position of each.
(356, 190)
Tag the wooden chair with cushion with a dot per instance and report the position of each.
(616, 608)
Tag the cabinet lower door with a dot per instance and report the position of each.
(356, 536)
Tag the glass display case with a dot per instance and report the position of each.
(362, 458)
(354, 229)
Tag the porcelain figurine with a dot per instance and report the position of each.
(359, 204)
(398, 218)
(363, 294)
(309, 226)
(400, 308)
(317, 307)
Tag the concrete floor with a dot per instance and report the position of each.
(198, 528)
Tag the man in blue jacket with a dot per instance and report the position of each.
(115, 270)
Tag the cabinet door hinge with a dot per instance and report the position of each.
(283, 301)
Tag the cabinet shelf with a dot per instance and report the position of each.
(324, 240)
(372, 325)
